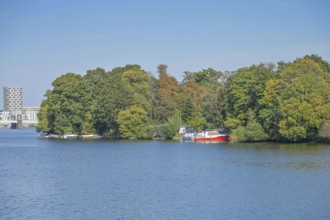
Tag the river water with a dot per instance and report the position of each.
(72, 179)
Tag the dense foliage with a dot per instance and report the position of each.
(283, 102)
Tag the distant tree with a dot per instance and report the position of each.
(253, 131)
(325, 130)
(65, 106)
(323, 64)
(207, 91)
(137, 83)
(187, 75)
(243, 92)
(232, 123)
(213, 107)
(43, 117)
(114, 98)
(187, 108)
(298, 102)
(120, 70)
(208, 78)
(255, 103)
(176, 120)
(164, 131)
(168, 96)
(191, 89)
(197, 120)
(62, 125)
(162, 70)
(245, 88)
(133, 123)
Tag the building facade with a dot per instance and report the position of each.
(28, 117)
(14, 110)
(13, 98)
(30, 114)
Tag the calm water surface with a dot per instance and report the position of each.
(63, 179)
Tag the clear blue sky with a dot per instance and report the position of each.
(43, 39)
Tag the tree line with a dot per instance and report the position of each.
(289, 101)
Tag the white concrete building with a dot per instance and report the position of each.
(30, 113)
(13, 98)
(14, 110)
(29, 116)
(4, 115)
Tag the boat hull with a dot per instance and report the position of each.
(217, 138)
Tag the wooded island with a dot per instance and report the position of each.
(289, 101)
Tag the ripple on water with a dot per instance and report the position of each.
(44, 179)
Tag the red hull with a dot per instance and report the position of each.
(219, 138)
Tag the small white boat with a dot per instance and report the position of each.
(70, 136)
(90, 136)
(48, 136)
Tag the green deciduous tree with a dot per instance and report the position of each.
(298, 102)
(256, 103)
(133, 123)
(325, 130)
(176, 120)
(207, 90)
(114, 98)
(244, 91)
(245, 88)
(65, 106)
(253, 131)
(138, 84)
(197, 120)
(168, 96)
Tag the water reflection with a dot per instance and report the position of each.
(304, 148)
(286, 148)
(304, 157)
(308, 165)
(161, 180)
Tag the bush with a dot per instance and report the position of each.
(253, 131)
(165, 131)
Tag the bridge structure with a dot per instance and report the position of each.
(23, 123)
(27, 117)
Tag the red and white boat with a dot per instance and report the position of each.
(211, 136)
